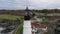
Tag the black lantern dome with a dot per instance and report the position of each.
(27, 14)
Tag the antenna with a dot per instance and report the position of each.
(27, 3)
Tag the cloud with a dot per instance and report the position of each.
(33, 4)
(42, 4)
(12, 4)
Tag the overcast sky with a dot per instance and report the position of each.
(33, 4)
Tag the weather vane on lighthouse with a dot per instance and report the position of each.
(27, 9)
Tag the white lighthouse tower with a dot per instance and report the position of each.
(27, 23)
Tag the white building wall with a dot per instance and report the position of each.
(27, 27)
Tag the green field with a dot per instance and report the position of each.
(13, 17)
(20, 29)
(10, 17)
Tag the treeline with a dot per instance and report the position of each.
(21, 12)
(48, 11)
(12, 12)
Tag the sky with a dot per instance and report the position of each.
(32, 4)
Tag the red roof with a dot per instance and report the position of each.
(34, 24)
(43, 26)
(32, 32)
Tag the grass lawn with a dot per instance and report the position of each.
(10, 17)
(20, 29)
(13, 17)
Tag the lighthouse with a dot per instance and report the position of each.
(27, 14)
(27, 22)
